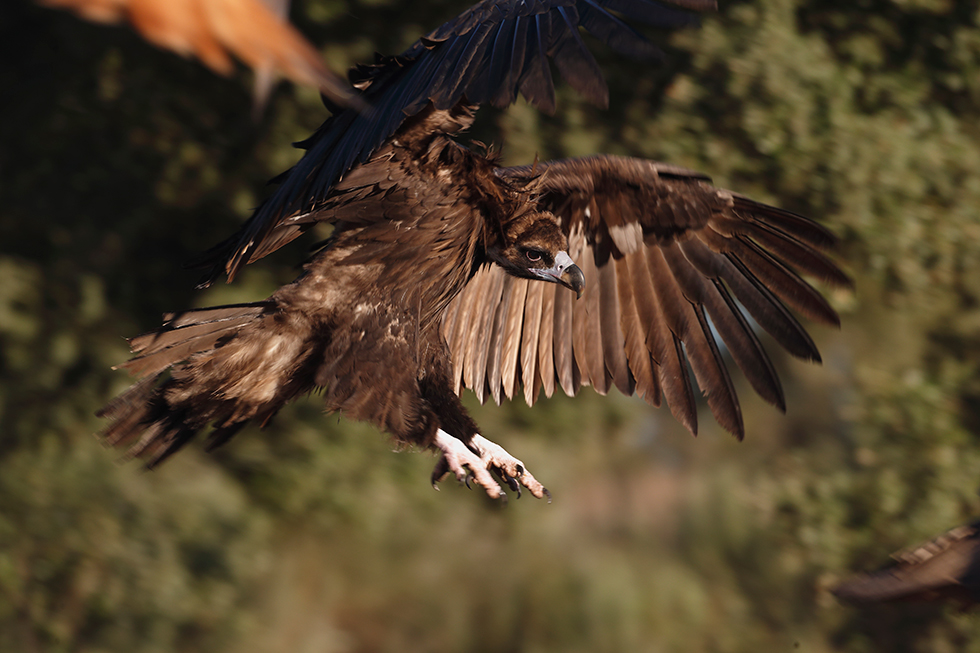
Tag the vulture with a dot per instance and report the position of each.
(446, 270)
(945, 568)
(212, 30)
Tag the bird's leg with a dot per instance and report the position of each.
(477, 460)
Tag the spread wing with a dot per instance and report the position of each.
(492, 52)
(669, 262)
(946, 567)
(213, 29)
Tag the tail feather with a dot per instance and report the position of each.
(173, 400)
(128, 412)
(186, 333)
(143, 421)
(221, 435)
(121, 404)
(149, 436)
(165, 443)
(212, 314)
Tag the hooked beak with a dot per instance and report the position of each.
(564, 272)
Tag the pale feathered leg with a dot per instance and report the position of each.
(477, 460)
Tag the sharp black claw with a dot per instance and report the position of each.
(439, 472)
(511, 482)
(466, 481)
(547, 494)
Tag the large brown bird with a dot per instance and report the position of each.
(945, 568)
(446, 270)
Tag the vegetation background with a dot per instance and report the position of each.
(118, 162)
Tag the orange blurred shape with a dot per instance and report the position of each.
(211, 29)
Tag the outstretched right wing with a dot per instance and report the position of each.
(670, 263)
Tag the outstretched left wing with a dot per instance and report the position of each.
(666, 257)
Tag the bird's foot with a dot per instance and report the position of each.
(477, 461)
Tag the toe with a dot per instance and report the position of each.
(439, 472)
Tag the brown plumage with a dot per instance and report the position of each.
(663, 252)
(213, 30)
(432, 279)
(946, 568)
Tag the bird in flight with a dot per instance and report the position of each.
(446, 270)
(947, 567)
(211, 30)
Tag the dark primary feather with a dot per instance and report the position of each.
(947, 567)
(666, 256)
(489, 54)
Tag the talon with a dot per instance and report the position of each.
(511, 483)
(508, 464)
(508, 480)
(439, 472)
(480, 460)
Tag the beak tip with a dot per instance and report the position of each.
(574, 279)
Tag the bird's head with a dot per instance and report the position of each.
(535, 247)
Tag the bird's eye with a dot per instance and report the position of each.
(533, 255)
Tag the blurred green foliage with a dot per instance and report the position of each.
(119, 162)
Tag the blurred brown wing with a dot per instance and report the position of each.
(211, 29)
(947, 567)
(667, 259)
